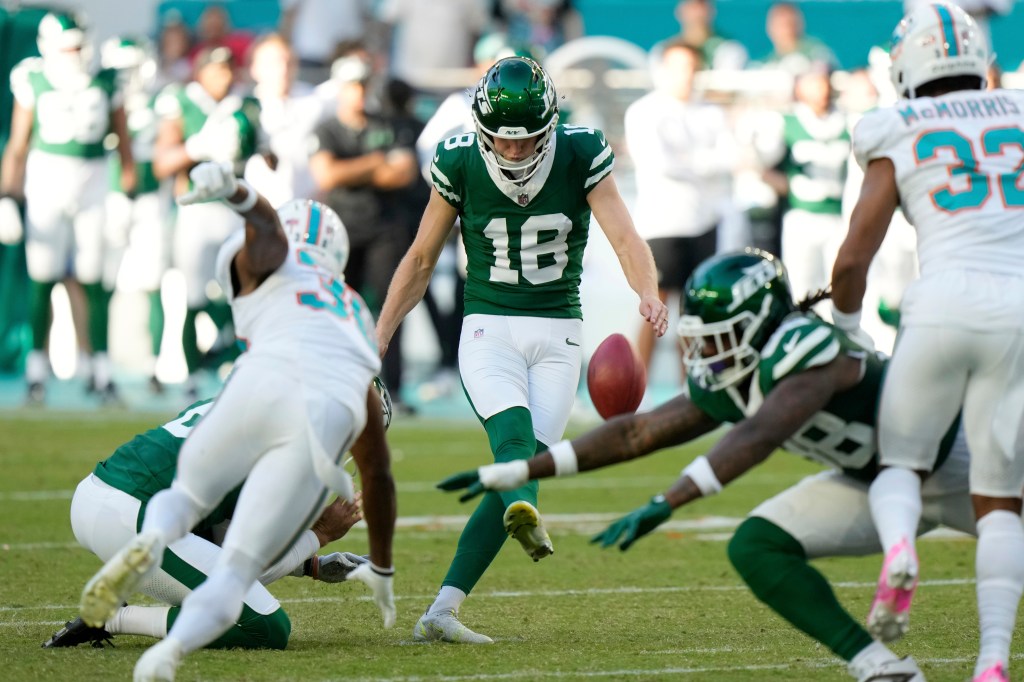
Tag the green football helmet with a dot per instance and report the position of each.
(730, 305)
(515, 99)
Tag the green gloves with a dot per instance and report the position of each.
(635, 525)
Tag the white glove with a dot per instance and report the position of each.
(505, 475)
(336, 567)
(380, 581)
(210, 182)
(850, 323)
(12, 230)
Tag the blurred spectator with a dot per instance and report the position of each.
(316, 28)
(792, 49)
(426, 36)
(543, 25)
(684, 155)
(289, 112)
(809, 169)
(175, 47)
(696, 20)
(203, 121)
(360, 160)
(214, 30)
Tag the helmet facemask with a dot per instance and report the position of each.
(319, 232)
(734, 355)
(66, 48)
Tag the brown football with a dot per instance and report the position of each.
(616, 377)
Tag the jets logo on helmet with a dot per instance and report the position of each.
(730, 306)
(319, 231)
(936, 41)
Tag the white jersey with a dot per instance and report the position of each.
(958, 165)
(302, 317)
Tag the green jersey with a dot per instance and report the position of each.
(142, 126)
(69, 121)
(842, 434)
(524, 242)
(146, 464)
(817, 151)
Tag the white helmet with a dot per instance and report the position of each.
(133, 58)
(936, 41)
(64, 41)
(320, 232)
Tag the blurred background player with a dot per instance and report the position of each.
(204, 121)
(55, 161)
(961, 339)
(521, 174)
(137, 223)
(298, 398)
(684, 155)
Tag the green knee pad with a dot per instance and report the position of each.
(775, 567)
(252, 631)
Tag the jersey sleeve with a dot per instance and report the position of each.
(446, 167)
(168, 103)
(871, 136)
(21, 82)
(593, 154)
(798, 345)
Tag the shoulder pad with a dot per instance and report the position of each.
(800, 343)
(446, 166)
(871, 135)
(21, 80)
(167, 103)
(591, 152)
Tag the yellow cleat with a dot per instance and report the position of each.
(118, 580)
(522, 521)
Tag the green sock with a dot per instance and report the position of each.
(774, 566)
(39, 312)
(99, 316)
(252, 631)
(511, 437)
(189, 343)
(156, 321)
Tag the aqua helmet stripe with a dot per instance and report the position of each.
(314, 223)
(948, 30)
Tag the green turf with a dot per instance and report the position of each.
(670, 608)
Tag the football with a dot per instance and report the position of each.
(616, 377)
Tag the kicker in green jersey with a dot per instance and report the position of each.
(843, 434)
(524, 242)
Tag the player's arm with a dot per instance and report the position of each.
(329, 172)
(632, 251)
(413, 274)
(879, 198)
(12, 170)
(789, 405)
(169, 155)
(398, 170)
(119, 125)
(618, 440)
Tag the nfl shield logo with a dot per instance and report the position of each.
(524, 199)
(478, 333)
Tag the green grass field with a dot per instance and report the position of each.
(670, 608)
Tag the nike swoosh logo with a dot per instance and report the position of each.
(568, 342)
(437, 157)
(791, 344)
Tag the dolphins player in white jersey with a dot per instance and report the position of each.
(950, 154)
(297, 400)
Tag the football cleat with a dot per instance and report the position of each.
(899, 670)
(76, 632)
(522, 521)
(445, 626)
(995, 673)
(36, 394)
(118, 579)
(889, 617)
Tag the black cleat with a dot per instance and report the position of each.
(76, 632)
(36, 394)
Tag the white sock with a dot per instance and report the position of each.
(100, 370)
(37, 367)
(171, 513)
(895, 499)
(448, 599)
(999, 566)
(150, 621)
(869, 658)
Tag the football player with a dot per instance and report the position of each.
(949, 153)
(784, 378)
(56, 163)
(297, 399)
(524, 188)
(203, 121)
(105, 510)
(137, 223)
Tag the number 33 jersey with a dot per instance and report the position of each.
(303, 318)
(524, 242)
(958, 160)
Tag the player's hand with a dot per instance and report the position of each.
(380, 582)
(861, 338)
(336, 567)
(500, 476)
(656, 313)
(210, 182)
(635, 525)
(337, 519)
(12, 229)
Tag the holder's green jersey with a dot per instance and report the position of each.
(66, 121)
(842, 434)
(146, 464)
(525, 241)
